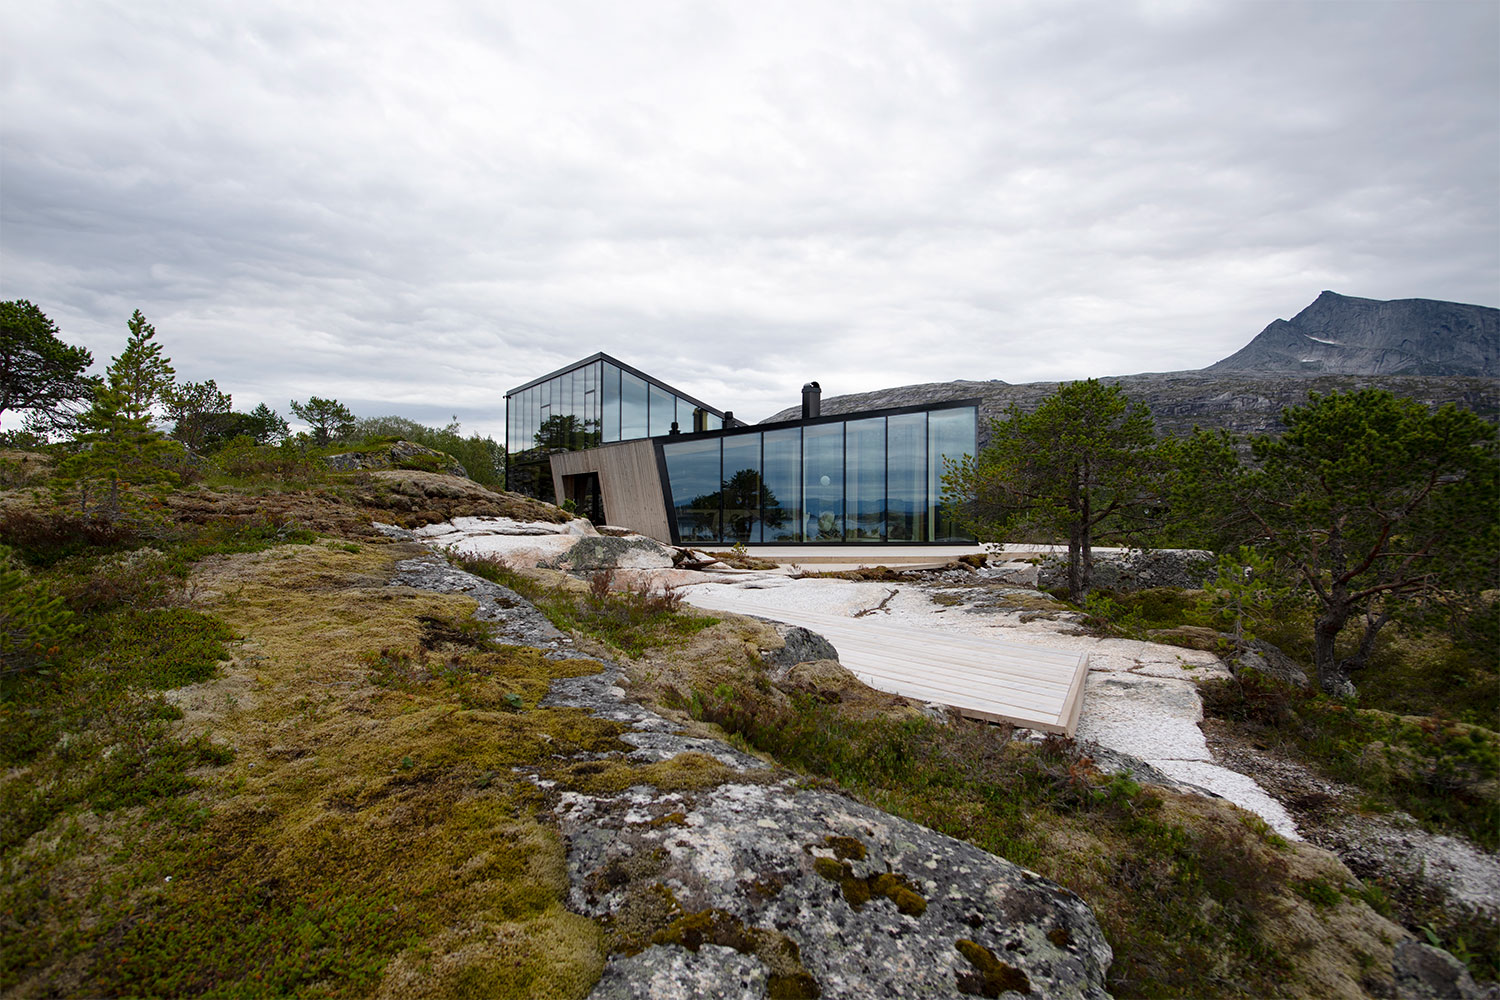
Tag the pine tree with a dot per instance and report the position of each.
(140, 373)
(119, 446)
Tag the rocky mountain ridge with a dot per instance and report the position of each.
(1246, 392)
(1343, 335)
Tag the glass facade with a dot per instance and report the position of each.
(873, 478)
(595, 402)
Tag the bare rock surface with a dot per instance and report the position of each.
(1131, 570)
(756, 887)
(843, 897)
(615, 552)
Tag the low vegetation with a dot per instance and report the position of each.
(631, 620)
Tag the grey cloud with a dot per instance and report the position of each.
(428, 206)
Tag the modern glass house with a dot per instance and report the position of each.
(632, 451)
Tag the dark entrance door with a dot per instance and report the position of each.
(583, 490)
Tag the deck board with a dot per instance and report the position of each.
(1031, 686)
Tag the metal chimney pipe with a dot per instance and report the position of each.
(812, 400)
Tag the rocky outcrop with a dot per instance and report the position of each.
(1134, 570)
(1339, 334)
(1267, 659)
(763, 889)
(612, 552)
(1427, 973)
(737, 882)
(400, 455)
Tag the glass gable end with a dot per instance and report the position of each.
(597, 401)
(869, 478)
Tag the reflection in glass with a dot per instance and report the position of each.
(611, 395)
(823, 483)
(950, 436)
(693, 479)
(906, 477)
(663, 411)
(781, 476)
(864, 478)
(712, 421)
(632, 407)
(742, 490)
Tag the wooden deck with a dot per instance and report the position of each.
(1030, 686)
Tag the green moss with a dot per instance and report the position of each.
(787, 977)
(991, 976)
(845, 848)
(684, 772)
(160, 647)
(859, 890)
(1318, 892)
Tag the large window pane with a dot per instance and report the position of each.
(537, 402)
(591, 403)
(511, 413)
(781, 475)
(823, 482)
(611, 403)
(742, 493)
(864, 478)
(663, 411)
(693, 479)
(906, 477)
(575, 410)
(632, 407)
(950, 436)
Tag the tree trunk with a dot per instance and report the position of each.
(1086, 546)
(1075, 564)
(1333, 677)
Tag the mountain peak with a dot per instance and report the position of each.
(1343, 335)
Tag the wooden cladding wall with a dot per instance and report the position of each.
(628, 481)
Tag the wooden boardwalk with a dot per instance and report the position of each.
(982, 678)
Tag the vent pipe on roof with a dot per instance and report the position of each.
(812, 400)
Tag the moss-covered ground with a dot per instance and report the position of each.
(275, 775)
(251, 767)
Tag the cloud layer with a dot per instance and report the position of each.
(415, 208)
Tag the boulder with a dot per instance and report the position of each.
(758, 888)
(609, 552)
(1427, 973)
(801, 646)
(1261, 656)
(1133, 569)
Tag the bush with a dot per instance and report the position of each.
(46, 540)
(34, 622)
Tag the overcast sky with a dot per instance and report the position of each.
(414, 207)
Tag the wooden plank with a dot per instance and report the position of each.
(979, 677)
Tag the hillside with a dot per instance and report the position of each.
(1434, 352)
(1239, 402)
(1342, 335)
